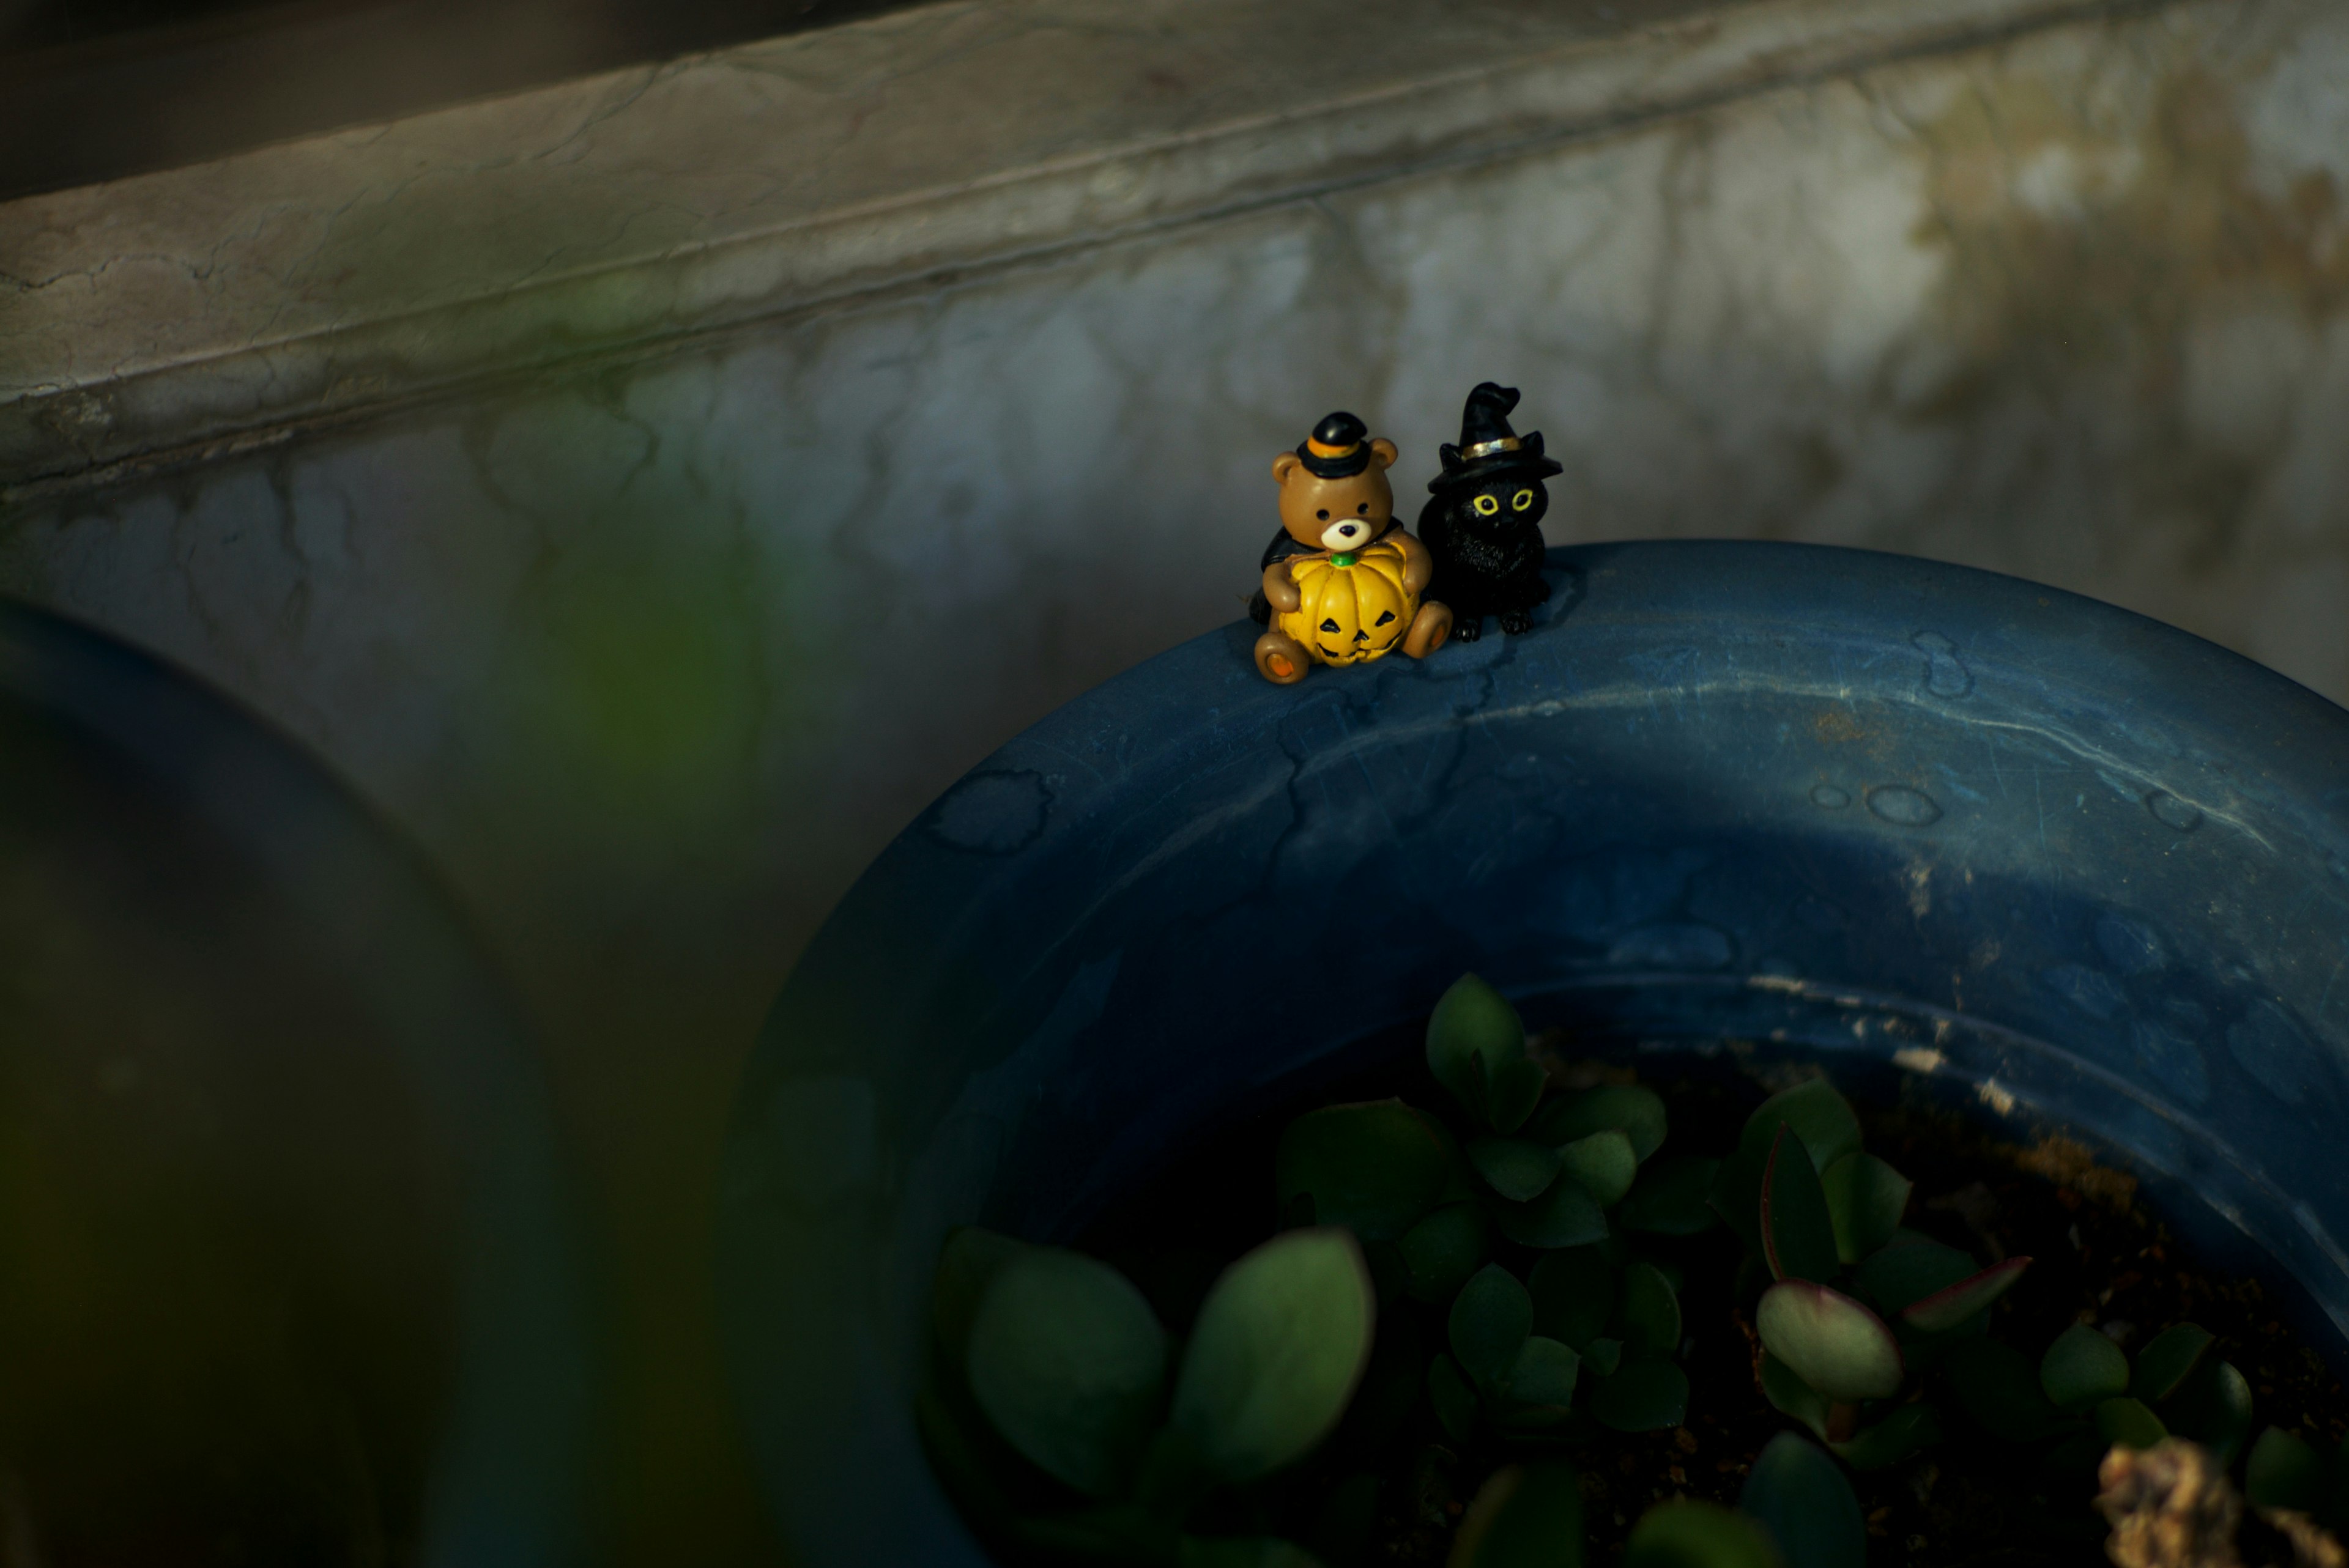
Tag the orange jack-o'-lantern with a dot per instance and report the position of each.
(1350, 607)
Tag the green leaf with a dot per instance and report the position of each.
(1687, 1533)
(1490, 1319)
(1649, 1311)
(1544, 1373)
(1635, 1112)
(1515, 1168)
(1908, 1272)
(1443, 1249)
(1672, 1196)
(1375, 1168)
(1736, 1196)
(2284, 1472)
(966, 1266)
(2000, 1389)
(2167, 1360)
(1603, 1357)
(1544, 1426)
(1603, 1162)
(1645, 1394)
(1947, 1308)
(1800, 1496)
(1814, 1111)
(1472, 1025)
(1821, 1120)
(1516, 1088)
(1449, 1391)
(1460, 1181)
(2127, 1424)
(1280, 1342)
(1906, 1430)
(1574, 1294)
(1924, 1352)
(1829, 1341)
(2214, 1408)
(1565, 1216)
(1790, 1396)
(1070, 1364)
(1820, 1117)
(1797, 1235)
(1866, 1198)
(1524, 1516)
(1245, 1551)
(1175, 1479)
(2082, 1368)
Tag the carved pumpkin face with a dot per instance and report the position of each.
(1349, 613)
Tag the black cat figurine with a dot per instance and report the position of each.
(1482, 523)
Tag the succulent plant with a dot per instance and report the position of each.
(1796, 1510)
(1524, 1516)
(1805, 1504)
(1590, 1333)
(2284, 1472)
(1062, 1362)
(2084, 1396)
(1855, 1304)
(1516, 1255)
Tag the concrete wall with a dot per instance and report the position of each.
(652, 633)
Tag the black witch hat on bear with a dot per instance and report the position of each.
(1482, 523)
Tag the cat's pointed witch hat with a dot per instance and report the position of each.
(1488, 448)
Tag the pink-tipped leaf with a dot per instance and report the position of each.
(1797, 1229)
(1829, 1341)
(1948, 1308)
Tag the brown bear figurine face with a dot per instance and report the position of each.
(1337, 514)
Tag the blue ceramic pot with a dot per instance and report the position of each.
(295, 1270)
(2080, 868)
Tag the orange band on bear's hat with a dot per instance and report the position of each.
(1320, 450)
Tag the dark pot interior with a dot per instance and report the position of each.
(2077, 868)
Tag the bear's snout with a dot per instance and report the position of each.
(1346, 533)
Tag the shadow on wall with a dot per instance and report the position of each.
(2150, 314)
(92, 90)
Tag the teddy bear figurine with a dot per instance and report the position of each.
(1342, 581)
(1482, 523)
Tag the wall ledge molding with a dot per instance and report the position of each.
(175, 317)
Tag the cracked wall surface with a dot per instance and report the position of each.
(652, 655)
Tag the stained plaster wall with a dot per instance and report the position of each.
(651, 653)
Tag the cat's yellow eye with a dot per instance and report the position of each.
(1521, 501)
(1486, 505)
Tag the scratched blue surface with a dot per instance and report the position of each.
(2093, 869)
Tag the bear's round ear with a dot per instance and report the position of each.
(1384, 451)
(1283, 466)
